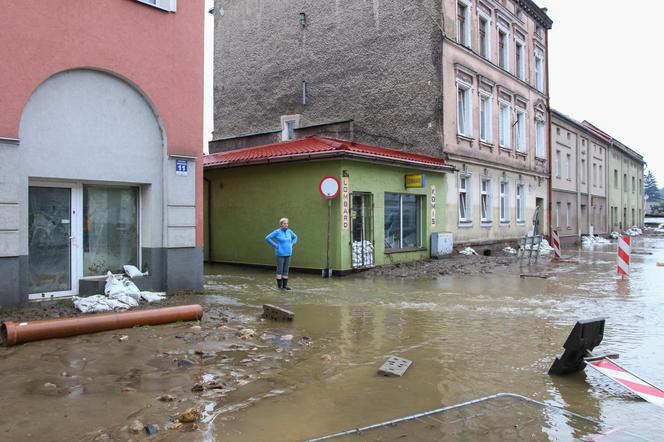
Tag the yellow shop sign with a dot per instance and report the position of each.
(415, 181)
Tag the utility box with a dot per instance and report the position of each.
(442, 243)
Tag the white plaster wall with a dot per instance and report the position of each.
(90, 126)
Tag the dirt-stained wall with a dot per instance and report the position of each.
(376, 62)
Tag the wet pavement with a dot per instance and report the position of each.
(468, 335)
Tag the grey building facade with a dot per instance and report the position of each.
(314, 62)
(390, 70)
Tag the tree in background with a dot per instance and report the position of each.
(650, 186)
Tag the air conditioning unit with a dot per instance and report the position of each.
(442, 243)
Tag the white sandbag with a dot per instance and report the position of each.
(509, 251)
(132, 271)
(99, 304)
(468, 251)
(152, 296)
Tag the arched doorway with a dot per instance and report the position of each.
(92, 160)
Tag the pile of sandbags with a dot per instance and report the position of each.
(120, 293)
(363, 254)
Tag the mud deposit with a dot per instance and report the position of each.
(454, 264)
(132, 383)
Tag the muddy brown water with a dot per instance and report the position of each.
(467, 335)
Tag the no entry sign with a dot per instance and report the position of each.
(329, 187)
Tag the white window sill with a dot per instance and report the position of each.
(465, 224)
(170, 8)
(465, 137)
(487, 223)
(521, 153)
(505, 223)
(542, 159)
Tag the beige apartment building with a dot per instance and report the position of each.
(625, 183)
(597, 182)
(578, 179)
(495, 111)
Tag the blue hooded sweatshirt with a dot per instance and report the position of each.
(283, 241)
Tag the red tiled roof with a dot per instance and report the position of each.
(315, 147)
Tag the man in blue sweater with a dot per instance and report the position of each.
(283, 239)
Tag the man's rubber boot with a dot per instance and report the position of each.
(279, 284)
(285, 284)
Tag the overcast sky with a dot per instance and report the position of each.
(603, 64)
(604, 67)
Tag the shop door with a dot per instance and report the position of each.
(51, 261)
(362, 240)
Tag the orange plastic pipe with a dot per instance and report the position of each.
(13, 333)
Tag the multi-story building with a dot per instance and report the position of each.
(462, 80)
(625, 183)
(495, 107)
(100, 145)
(578, 178)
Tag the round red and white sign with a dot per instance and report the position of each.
(329, 187)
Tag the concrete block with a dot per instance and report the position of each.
(277, 313)
(394, 366)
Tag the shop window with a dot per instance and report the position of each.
(403, 221)
(110, 229)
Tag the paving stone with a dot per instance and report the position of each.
(394, 366)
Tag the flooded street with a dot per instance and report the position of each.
(467, 335)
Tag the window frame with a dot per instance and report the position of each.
(467, 90)
(540, 136)
(164, 5)
(467, 219)
(488, 114)
(558, 164)
(520, 131)
(539, 70)
(504, 202)
(486, 208)
(487, 34)
(504, 126)
(420, 202)
(520, 59)
(466, 41)
(520, 203)
(567, 212)
(568, 166)
(504, 55)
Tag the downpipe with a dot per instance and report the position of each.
(13, 333)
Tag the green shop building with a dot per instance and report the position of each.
(388, 205)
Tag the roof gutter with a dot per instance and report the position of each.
(326, 155)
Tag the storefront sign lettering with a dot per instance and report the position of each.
(345, 203)
(433, 206)
(415, 181)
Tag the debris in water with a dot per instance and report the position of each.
(152, 429)
(189, 415)
(123, 338)
(509, 251)
(167, 398)
(246, 333)
(326, 358)
(136, 426)
(394, 366)
(287, 338)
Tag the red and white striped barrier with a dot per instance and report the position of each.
(624, 249)
(555, 239)
(642, 388)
